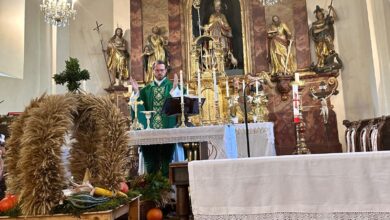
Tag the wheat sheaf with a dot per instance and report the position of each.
(35, 168)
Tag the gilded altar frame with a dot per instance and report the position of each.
(246, 36)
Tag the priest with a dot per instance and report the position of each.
(153, 95)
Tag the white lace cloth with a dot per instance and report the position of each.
(261, 138)
(301, 216)
(327, 186)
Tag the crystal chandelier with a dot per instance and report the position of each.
(58, 12)
(269, 2)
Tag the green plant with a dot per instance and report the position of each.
(153, 187)
(72, 75)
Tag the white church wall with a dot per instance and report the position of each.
(364, 47)
(380, 41)
(84, 43)
(12, 38)
(17, 93)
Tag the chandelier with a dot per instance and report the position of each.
(269, 2)
(58, 12)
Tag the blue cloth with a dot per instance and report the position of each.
(230, 142)
(178, 154)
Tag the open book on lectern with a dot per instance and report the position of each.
(172, 105)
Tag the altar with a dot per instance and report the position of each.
(322, 187)
(224, 141)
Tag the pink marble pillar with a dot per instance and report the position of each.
(301, 34)
(136, 64)
(259, 51)
(175, 41)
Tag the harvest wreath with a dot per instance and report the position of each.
(36, 173)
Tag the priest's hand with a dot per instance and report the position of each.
(134, 84)
(175, 81)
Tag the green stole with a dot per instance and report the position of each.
(154, 96)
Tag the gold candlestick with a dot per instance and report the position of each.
(217, 113)
(200, 112)
(260, 111)
(300, 127)
(232, 109)
(183, 123)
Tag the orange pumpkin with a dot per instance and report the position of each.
(8, 202)
(154, 214)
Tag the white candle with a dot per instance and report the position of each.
(181, 87)
(227, 88)
(215, 85)
(243, 85)
(84, 85)
(129, 89)
(199, 87)
(296, 77)
(73, 4)
(296, 102)
(188, 90)
(257, 87)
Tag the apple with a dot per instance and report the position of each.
(124, 187)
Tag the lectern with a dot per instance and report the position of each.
(172, 106)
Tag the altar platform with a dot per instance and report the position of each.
(321, 187)
(224, 141)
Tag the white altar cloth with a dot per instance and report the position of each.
(320, 187)
(261, 138)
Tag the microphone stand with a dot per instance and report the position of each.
(246, 120)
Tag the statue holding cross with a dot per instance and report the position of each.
(115, 56)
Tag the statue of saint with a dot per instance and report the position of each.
(219, 28)
(154, 50)
(279, 48)
(322, 33)
(332, 62)
(117, 57)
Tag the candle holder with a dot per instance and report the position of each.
(218, 119)
(260, 111)
(232, 109)
(300, 125)
(200, 112)
(136, 125)
(301, 142)
(183, 119)
(148, 116)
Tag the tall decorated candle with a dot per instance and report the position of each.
(243, 85)
(181, 87)
(296, 77)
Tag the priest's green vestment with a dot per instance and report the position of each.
(157, 157)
